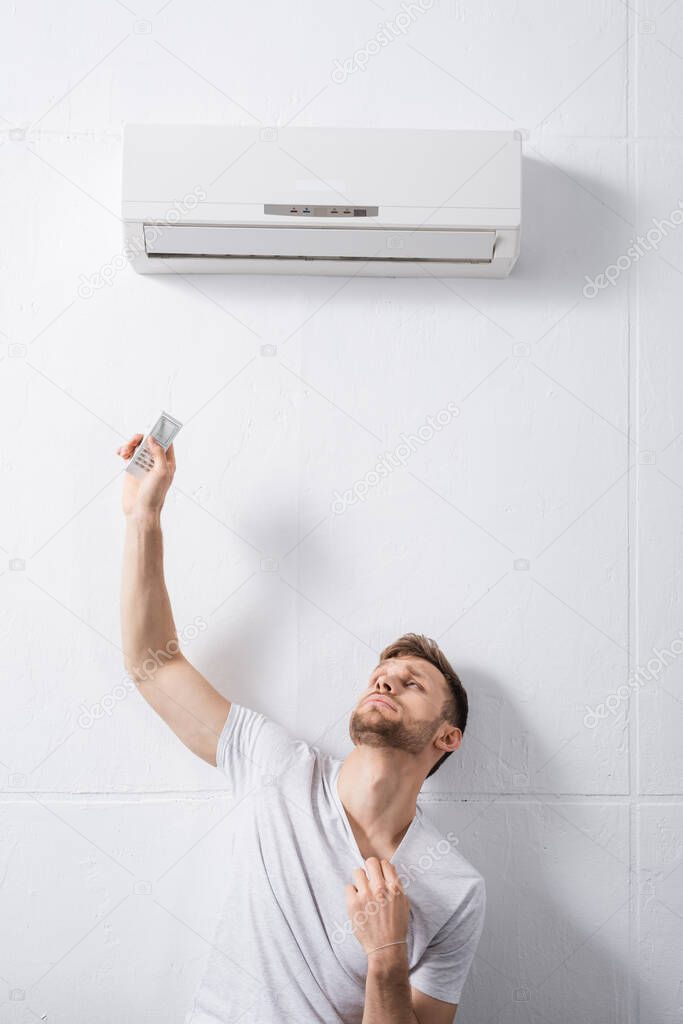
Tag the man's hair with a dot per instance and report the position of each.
(454, 710)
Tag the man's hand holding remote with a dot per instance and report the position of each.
(145, 496)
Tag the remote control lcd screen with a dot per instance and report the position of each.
(164, 431)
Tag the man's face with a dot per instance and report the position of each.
(413, 692)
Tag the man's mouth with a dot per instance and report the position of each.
(380, 700)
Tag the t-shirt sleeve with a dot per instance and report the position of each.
(253, 749)
(443, 967)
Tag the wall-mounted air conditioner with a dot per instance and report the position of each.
(214, 199)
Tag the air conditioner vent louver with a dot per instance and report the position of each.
(207, 241)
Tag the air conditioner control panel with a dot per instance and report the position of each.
(305, 210)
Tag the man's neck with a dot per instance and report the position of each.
(379, 794)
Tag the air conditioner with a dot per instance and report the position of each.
(215, 199)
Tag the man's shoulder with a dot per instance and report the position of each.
(255, 748)
(444, 848)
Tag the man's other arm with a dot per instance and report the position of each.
(187, 702)
(390, 998)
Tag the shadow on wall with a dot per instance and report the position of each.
(573, 227)
(557, 871)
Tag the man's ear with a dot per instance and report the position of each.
(449, 738)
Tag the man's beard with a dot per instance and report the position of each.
(388, 730)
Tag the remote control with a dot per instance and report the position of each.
(163, 431)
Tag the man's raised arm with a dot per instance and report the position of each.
(186, 701)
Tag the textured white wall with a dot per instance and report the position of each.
(537, 536)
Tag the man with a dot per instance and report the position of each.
(317, 924)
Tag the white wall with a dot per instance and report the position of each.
(566, 454)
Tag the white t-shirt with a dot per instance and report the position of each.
(284, 949)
